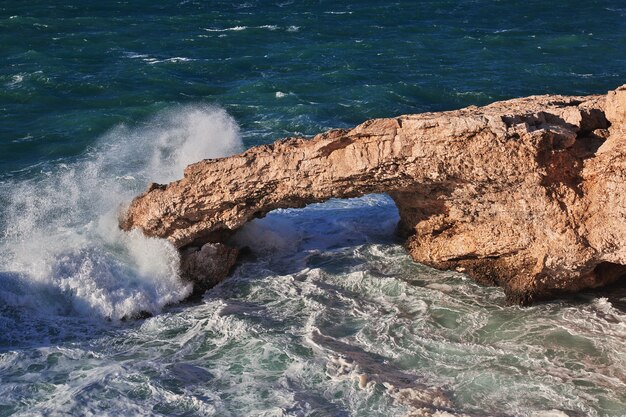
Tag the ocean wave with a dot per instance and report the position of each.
(175, 59)
(62, 252)
(234, 28)
(152, 60)
(330, 316)
(240, 28)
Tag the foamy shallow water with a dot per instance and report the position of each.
(328, 317)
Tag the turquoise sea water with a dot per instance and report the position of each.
(328, 317)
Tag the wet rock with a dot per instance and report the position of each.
(208, 265)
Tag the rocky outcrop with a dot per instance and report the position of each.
(527, 193)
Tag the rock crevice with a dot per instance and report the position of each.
(527, 193)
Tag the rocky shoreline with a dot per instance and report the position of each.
(527, 194)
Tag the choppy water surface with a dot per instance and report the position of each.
(327, 316)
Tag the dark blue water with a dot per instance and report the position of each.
(98, 99)
(71, 73)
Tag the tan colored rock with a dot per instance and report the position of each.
(525, 193)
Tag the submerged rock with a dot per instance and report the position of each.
(527, 193)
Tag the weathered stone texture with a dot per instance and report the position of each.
(527, 193)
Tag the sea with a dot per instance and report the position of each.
(326, 315)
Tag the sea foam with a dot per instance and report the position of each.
(62, 252)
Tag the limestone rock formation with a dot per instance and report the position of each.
(527, 193)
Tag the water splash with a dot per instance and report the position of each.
(62, 252)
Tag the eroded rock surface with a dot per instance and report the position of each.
(527, 193)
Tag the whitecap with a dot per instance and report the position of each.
(134, 56)
(15, 80)
(234, 28)
(175, 59)
(26, 138)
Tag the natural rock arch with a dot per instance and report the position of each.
(526, 193)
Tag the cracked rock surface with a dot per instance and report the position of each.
(527, 193)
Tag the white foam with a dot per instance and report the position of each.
(445, 288)
(550, 413)
(15, 80)
(234, 28)
(134, 56)
(62, 250)
(152, 61)
(240, 28)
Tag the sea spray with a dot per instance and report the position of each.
(295, 328)
(62, 252)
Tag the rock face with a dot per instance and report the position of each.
(527, 193)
